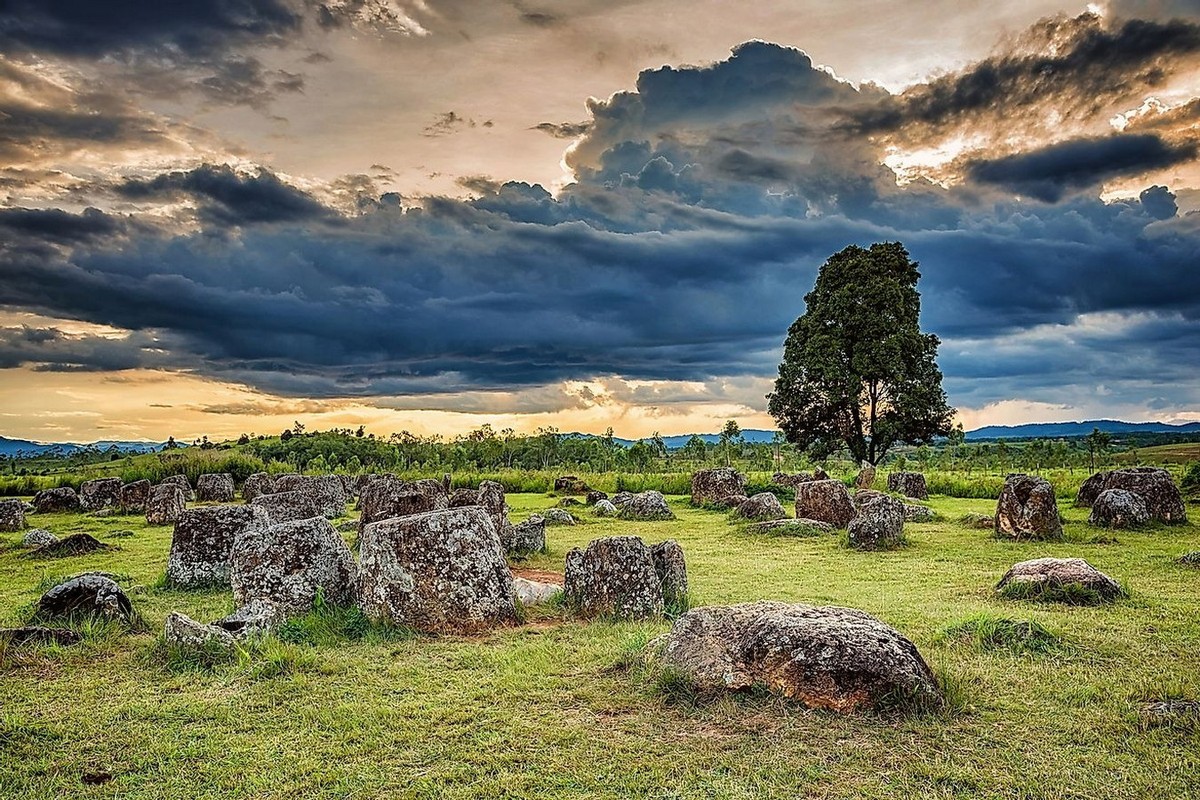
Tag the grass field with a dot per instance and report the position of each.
(548, 710)
(1164, 454)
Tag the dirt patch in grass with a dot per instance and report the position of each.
(539, 575)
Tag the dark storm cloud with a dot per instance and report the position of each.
(1049, 173)
(229, 197)
(563, 130)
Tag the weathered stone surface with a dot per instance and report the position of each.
(556, 516)
(711, 485)
(909, 484)
(38, 537)
(570, 484)
(288, 564)
(256, 618)
(390, 497)
(440, 572)
(1090, 489)
(167, 502)
(89, 594)
(595, 496)
(463, 497)
(1027, 509)
(259, 483)
(827, 501)
(77, 544)
(792, 480)
(183, 631)
(327, 491)
(527, 537)
(762, 506)
(1118, 508)
(981, 522)
(183, 483)
(1060, 572)
(879, 524)
(619, 498)
(865, 478)
(916, 513)
(54, 501)
(1156, 488)
(203, 539)
(37, 634)
(731, 502)
(791, 527)
(288, 506)
(12, 516)
(648, 505)
(839, 659)
(533, 593)
(99, 493)
(568, 502)
(613, 577)
(491, 499)
(215, 487)
(604, 508)
(671, 568)
(133, 497)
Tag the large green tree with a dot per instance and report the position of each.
(857, 371)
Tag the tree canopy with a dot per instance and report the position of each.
(857, 371)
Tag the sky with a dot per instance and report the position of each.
(427, 215)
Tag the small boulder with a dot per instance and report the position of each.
(978, 521)
(88, 595)
(838, 659)
(1027, 509)
(613, 577)
(909, 484)
(731, 501)
(166, 504)
(215, 488)
(203, 539)
(256, 618)
(827, 501)
(288, 564)
(1090, 489)
(595, 496)
(77, 544)
(604, 508)
(56, 501)
(568, 502)
(133, 497)
(879, 524)
(1118, 508)
(258, 484)
(38, 634)
(38, 537)
(762, 506)
(491, 499)
(711, 485)
(527, 537)
(288, 506)
(865, 478)
(99, 493)
(555, 516)
(439, 572)
(916, 513)
(1045, 575)
(183, 483)
(12, 516)
(671, 568)
(791, 480)
(570, 484)
(1155, 486)
(533, 593)
(791, 527)
(183, 631)
(648, 505)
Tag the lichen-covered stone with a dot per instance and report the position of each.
(38, 537)
(215, 487)
(556, 516)
(167, 502)
(99, 493)
(288, 506)
(762, 506)
(533, 593)
(648, 505)
(613, 577)
(791, 527)
(133, 497)
(440, 572)
(838, 659)
(1155, 486)
(258, 484)
(671, 568)
(909, 484)
(1090, 489)
(12, 516)
(288, 564)
(203, 539)
(603, 508)
(86, 595)
(865, 478)
(916, 513)
(528, 536)
(1027, 509)
(1061, 572)
(1118, 508)
(183, 631)
(55, 501)
(595, 496)
(77, 544)
(793, 480)
(183, 483)
(826, 501)
(463, 497)
(711, 485)
(389, 497)
(491, 500)
(879, 524)
(327, 491)
(255, 618)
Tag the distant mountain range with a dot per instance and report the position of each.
(1063, 430)
(10, 447)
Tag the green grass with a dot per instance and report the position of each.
(336, 708)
